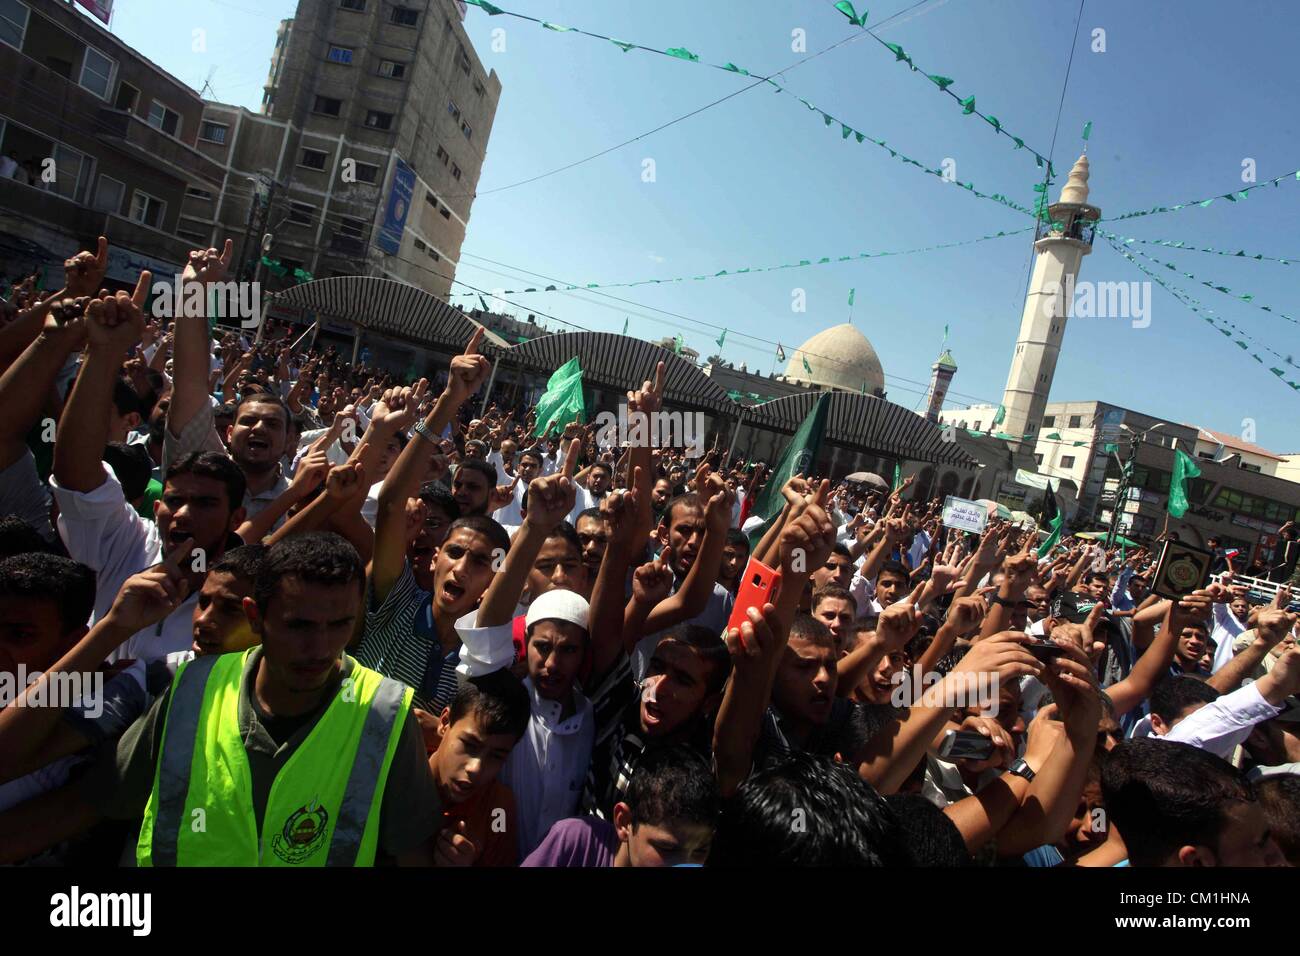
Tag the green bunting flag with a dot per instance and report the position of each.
(1053, 436)
(1053, 518)
(562, 401)
(799, 457)
(780, 353)
(1156, 210)
(1181, 245)
(1184, 468)
(846, 8)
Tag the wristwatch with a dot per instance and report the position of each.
(422, 430)
(1005, 602)
(1021, 769)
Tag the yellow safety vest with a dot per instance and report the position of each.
(323, 809)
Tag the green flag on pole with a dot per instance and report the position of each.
(1000, 417)
(677, 345)
(898, 475)
(798, 458)
(806, 367)
(851, 294)
(562, 401)
(945, 337)
(722, 338)
(1184, 468)
(1053, 518)
(625, 326)
(1087, 130)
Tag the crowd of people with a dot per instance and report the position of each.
(260, 606)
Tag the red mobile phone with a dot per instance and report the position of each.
(758, 586)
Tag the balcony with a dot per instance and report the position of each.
(130, 134)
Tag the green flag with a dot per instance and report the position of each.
(898, 475)
(1184, 468)
(1053, 519)
(851, 292)
(625, 326)
(806, 367)
(722, 338)
(562, 402)
(677, 345)
(945, 337)
(1000, 417)
(780, 353)
(1087, 130)
(798, 458)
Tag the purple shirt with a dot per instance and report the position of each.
(577, 841)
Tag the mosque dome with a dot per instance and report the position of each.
(841, 358)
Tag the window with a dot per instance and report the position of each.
(108, 197)
(1039, 459)
(1067, 461)
(13, 23)
(313, 158)
(352, 228)
(404, 16)
(357, 5)
(1076, 421)
(455, 171)
(446, 213)
(978, 426)
(127, 95)
(96, 72)
(195, 193)
(464, 128)
(199, 238)
(72, 173)
(213, 132)
(301, 213)
(443, 156)
(147, 209)
(392, 69)
(419, 244)
(433, 254)
(327, 106)
(160, 117)
(377, 120)
(462, 60)
(339, 54)
(453, 109)
(1049, 421)
(1246, 467)
(478, 87)
(367, 173)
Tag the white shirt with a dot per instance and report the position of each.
(548, 767)
(864, 592)
(106, 534)
(370, 507)
(1225, 632)
(583, 500)
(1220, 725)
(513, 513)
(920, 545)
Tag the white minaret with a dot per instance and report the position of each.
(941, 373)
(1061, 245)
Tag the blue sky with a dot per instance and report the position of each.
(1183, 93)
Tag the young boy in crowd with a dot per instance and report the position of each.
(667, 819)
(474, 738)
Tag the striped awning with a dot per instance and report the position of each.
(620, 362)
(864, 421)
(391, 308)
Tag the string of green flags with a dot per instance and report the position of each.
(1223, 326)
(1202, 203)
(801, 264)
(944, 83)
(681, 53)
(1188, 247)
(1242, 296)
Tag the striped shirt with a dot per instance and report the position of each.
(401, 641)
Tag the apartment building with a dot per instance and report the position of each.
(96, 140)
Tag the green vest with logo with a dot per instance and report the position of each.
(323, 809)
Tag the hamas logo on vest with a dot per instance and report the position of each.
(303, 834)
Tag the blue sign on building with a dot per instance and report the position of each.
(399, 206)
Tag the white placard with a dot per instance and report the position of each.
(964, 515)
